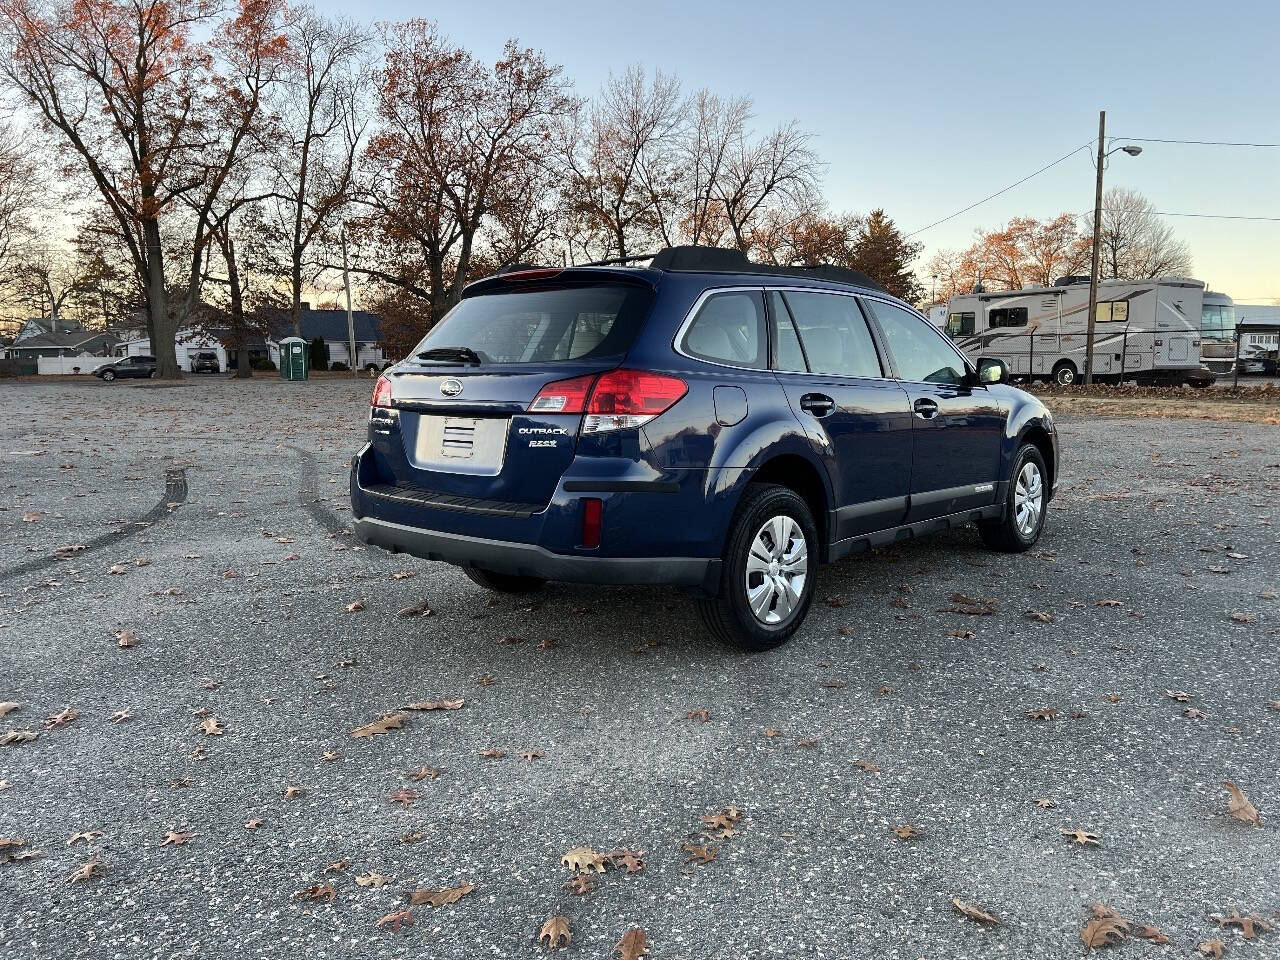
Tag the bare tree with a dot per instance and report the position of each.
(621, 168)
(1136, 244)
(18, 193)
(779, 168)
(714, 127)
(321, 122)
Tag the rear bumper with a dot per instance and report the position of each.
(531, 560)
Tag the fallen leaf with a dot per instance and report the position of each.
(1041, 616)
(973, 912)
(437, 705)
(1212, 948)
(631, 861)
(337, 866)
(1241, 617)
(253, 824)
(555, 932)
(384, 724)
(1180, 695)
(395, 921)
(770, 733)
(211, 727)
(440, 898)
(698, 854)
(373, 879)
(580, 884)
(320, 891)
(8, 707)
(421, 609)
(866, 766)
(87, 836)
(1081, 837)
(907, 831)
(18, 736)
(1240, 807)
(700, 714)
(176, 838)
(63, 718)
(291, 792)
(1044, 713)
(583, 860)
(1146, 932)
(633, 945)
(425, 773)
(1109, 603)
(126, 639)
(528, 756)
(1250, 924)
(90, 869)
(354, 606)
(1045, 803)
(404, 796)
(1195, 714)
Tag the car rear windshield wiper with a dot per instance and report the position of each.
(452, 354)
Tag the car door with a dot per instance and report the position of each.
(958, 423)
(827, 362)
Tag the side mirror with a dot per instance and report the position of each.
(991, 370)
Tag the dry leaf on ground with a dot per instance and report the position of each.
(1104, 928)
(633, 945)
(555, 932)
(583, 860)
(973, 912)
(320, 891)
(384, 724)
(1250, 924)
(1081, 837)
(1240, 807)
(437, 705)
(440, 898)
(401, 918)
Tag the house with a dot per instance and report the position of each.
(331, 327)
(53, 338)
(189, 342)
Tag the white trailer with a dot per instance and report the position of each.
(1146, 330)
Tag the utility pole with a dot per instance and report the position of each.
(351, 324)
(1097, 232)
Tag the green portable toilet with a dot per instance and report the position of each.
(293, 358)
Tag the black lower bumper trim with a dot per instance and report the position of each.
(530, 560)
(621, 486)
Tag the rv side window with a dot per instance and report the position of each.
(960, 324)
(1007, 317)
(1114, 312)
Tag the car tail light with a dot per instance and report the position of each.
(564, 396)
(536, 273)
(613, 400)
(592, 521)
(630, 398)
(382, 393)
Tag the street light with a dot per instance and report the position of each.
(1103, 153)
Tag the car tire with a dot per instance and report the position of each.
(152, 374)
(1065, 373)
(108, 375)
(503, 582)
(1024, 507)
(757, 607)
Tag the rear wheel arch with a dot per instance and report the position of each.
(800, 475)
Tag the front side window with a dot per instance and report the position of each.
(729, 329)
(545, 325)
(921, 355)
(1007, 317)
(835, 336)
(961, 324)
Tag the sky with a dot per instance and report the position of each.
(923, 108)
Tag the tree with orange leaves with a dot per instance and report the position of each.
(152, 113)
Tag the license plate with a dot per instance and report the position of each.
(470, 445)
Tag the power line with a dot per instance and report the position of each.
(1214, 216)
(1200, 143)
(1005, 190)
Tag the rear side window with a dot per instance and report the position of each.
(921, 353)
(545, 325)
(729, 329)
(835, 336)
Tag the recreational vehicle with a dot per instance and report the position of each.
(1146, 330)
(1218, 332)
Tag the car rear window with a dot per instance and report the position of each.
(545, 325)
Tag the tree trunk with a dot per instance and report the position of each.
(243, 370)
(295, 278)
(164, 328)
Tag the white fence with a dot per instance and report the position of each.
(65, 365)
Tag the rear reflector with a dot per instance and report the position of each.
(592, 521)
(381, 393)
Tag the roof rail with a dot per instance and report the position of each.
(691, 259)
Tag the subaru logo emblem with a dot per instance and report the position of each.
(451, 387)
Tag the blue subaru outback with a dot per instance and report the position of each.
(704, 421)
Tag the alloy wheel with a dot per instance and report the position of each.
(1028, 499)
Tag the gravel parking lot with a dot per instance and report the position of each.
(206, 522)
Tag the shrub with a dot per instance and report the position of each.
(338, 367)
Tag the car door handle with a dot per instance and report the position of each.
(926, 409)
(818, 404)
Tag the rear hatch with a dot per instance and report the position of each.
(462, 400)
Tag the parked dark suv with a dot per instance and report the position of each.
(704, 421)
(205, 362)
(127, 367)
